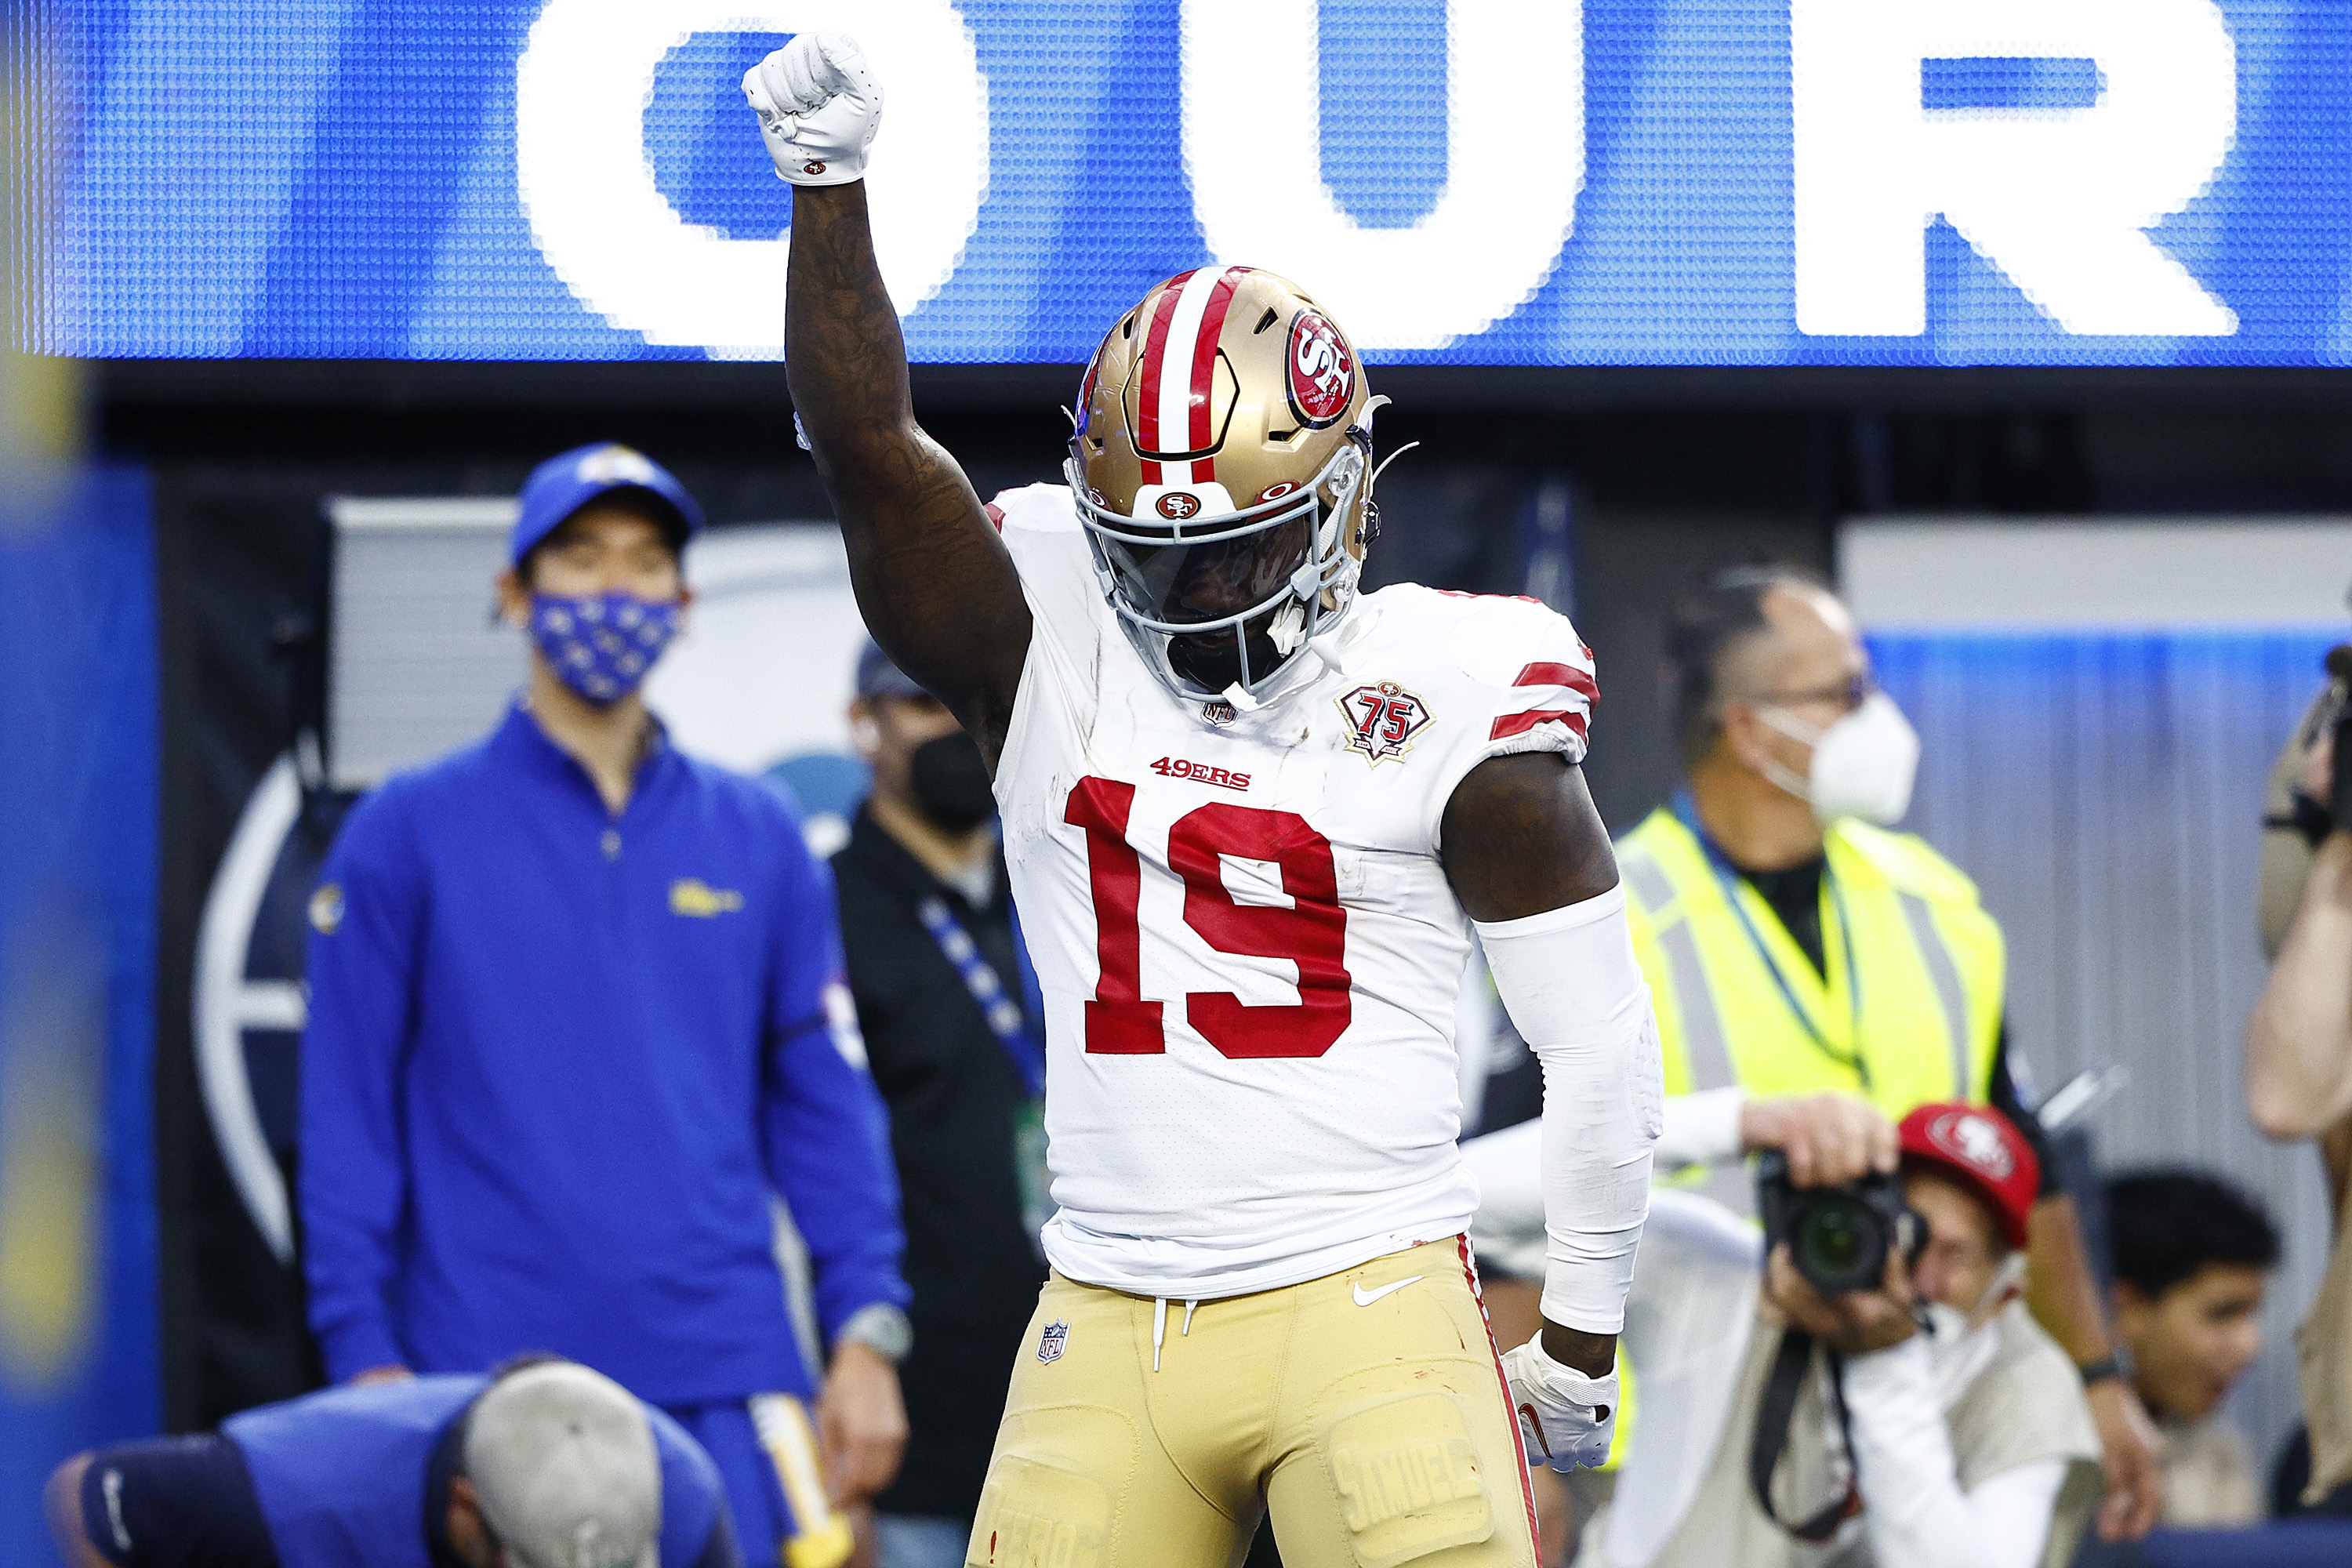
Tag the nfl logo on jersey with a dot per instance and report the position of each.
(1050, 1343)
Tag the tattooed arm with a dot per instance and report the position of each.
(934, 582)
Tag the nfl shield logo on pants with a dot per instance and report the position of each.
(1050, 1343)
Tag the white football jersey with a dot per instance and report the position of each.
(1248, 950)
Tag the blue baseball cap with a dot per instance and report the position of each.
(878, 677)
(562, 485)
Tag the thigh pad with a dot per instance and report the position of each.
(1407, 1477)
(1054, 1488)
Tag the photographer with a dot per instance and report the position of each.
(1801, 955)
(1926, 1422)
(2299, 1041)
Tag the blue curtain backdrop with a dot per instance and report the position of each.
(78, 853)
(2104, 790)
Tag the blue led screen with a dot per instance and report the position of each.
(1630, 182)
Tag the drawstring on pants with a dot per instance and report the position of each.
(1160, 1324)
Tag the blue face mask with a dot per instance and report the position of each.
(601, 645)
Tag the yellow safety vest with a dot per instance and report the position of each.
(1909, 1010)
(1901, 930)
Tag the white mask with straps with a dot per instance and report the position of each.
(1862, 765)
(1961, 1342)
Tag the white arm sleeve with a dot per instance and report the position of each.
(1701, 1129)
(1569, 980)
(1913, 1507)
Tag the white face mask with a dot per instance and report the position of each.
(1862, 765)
(1961, 1342)
(1956, 1352)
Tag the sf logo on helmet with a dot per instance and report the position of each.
(813, 167)
(1322, 371)
(1178, 505)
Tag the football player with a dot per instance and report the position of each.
(1251, 815)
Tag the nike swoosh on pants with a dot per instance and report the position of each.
(1366, 1297)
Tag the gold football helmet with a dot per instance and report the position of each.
(1219, 464)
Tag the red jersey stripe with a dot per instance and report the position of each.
(1547, 674)
(1511, 724)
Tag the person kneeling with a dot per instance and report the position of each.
(543, 1464)
(1925, 1424)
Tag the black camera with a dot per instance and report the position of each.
(1839, 1238)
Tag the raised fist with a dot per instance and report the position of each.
(819, 107)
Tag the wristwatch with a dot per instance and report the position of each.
(880, 1328)
(2101, 1370)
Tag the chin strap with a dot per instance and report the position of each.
(1287, 629)
(1384, 469)
(1326, 649)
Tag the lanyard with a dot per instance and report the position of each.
(1006, 1018)
(1729, 877)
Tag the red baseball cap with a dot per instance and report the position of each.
(1984, 1150)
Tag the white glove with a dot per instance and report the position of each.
(819, 107)
(1566, 1418)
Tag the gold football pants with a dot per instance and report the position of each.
(1366, 1411)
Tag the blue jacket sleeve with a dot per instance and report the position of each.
(366, 921)
(824, 1129)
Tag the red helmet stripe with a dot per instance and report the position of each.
(1180, 356)
(1175, 367)
(1148, 396)
(1204, 370)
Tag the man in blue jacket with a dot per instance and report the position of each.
(546, 1465)
(575, 1015)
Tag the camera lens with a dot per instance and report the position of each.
(1838, 1237)
(1838, 1244)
